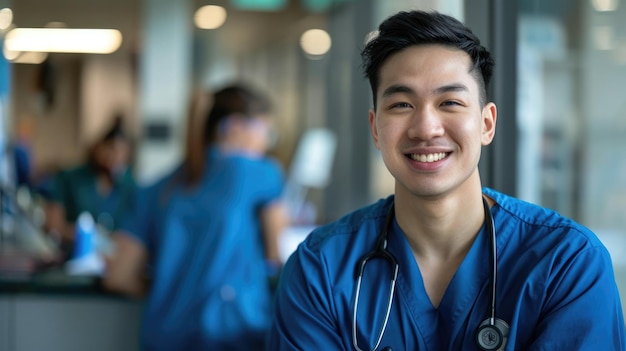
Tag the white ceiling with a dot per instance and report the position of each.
(243, 29)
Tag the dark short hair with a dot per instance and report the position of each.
(410, 28)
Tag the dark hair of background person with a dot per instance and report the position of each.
(116, 131)
(236, 99)
(406, 29)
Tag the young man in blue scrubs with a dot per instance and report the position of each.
(443, 263)
(205, 233)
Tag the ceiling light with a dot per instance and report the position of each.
(8, 54)
(31, 57)
(315, 42)
(605, 5)
(70, 40)
(210, 17)
(6, 18)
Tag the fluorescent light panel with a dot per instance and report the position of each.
(68, 40)
(605, 5)
(33, 58)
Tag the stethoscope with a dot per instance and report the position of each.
(491, 333)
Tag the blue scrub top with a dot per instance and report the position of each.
(555, 287)
(210, 288)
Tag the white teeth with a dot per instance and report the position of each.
(428, 157)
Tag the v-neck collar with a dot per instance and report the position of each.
(460, 296)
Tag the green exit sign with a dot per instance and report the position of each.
(260, 5)
(321, 5)
(317, 5)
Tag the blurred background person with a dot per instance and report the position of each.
(103, 186)
(22, 152)
(206, 233)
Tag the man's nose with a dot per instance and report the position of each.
(425, 124)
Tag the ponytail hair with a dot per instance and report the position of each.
(236, 99)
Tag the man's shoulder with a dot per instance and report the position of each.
(540, 223)
(346, 228)
(529, 212)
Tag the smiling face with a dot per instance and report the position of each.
(429, 124)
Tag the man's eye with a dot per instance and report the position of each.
(401, 105)
(450, 103)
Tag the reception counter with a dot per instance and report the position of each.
(53, 311)
(42, 307)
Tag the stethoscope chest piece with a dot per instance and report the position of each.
(492, 336)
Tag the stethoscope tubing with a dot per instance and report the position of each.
(381, 251)
(494, 260)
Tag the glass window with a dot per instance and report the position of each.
(572, 113)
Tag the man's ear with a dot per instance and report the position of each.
(373, 128)
(489, 117)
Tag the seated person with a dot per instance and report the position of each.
(103, 186)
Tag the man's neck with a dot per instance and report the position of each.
(440, 232)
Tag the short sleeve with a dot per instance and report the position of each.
(139, 220)
(269, 181)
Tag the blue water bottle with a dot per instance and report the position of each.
(84, 236)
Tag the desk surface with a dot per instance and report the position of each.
(50, 281)
(30, 264)
(21, 273)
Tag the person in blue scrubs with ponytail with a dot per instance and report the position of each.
(206, 233)
(443, 263)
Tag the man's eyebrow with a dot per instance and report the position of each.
(397, 88)
(454, 87)
(403, 89)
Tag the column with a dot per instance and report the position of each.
(347, 108)
(165, 67)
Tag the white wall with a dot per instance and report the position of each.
(107, 86)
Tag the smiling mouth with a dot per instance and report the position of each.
(428, 157)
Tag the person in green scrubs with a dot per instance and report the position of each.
(103, 186)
